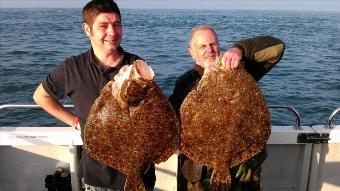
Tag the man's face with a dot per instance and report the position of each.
(105, 33)
(204, 47)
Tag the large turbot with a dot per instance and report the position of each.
(224, 122)
(132, 124)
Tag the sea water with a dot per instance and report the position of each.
(34, 41)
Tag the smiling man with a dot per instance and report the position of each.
(81, 78)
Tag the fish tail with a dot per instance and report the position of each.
(134, 184)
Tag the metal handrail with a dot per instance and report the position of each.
(294, 111)
(331, 117)
(289, 108)
(25, 106)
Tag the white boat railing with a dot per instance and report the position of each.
(292, 110)
(25, 106)
(331, 117)
(300, 158)
(289, 108)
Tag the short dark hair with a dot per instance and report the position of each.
(95, 7)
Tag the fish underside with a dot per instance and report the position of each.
(131, 125)
(224, 122)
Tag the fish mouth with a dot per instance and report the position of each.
(143, 70)
(139, 70)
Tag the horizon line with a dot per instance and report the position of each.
(261, 5)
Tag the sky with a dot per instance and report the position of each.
(300, 5)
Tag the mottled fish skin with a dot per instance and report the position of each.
(224, 122)
(130, 136)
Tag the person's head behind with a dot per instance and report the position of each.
(204, 45)
(95, 7)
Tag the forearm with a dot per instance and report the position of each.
(260, 54)
(52, 106)
(261, 49)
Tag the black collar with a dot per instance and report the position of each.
(94, 61)
(199, 69)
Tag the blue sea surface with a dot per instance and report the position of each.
(34, 41)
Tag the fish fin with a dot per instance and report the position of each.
(134, 183)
